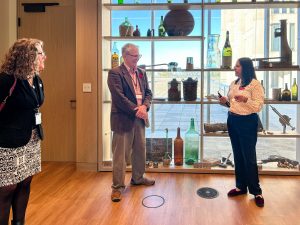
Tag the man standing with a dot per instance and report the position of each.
(131, 99)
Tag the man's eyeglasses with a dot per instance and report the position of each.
(135, 56)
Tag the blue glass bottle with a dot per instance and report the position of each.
(191, 145)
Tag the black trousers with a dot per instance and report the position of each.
(243, 136)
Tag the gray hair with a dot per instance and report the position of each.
(126, 47)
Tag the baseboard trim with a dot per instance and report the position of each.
(86, 166)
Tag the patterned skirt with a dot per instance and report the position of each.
(16, 164)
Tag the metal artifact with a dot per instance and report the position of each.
(224, 163)
(285, 59)
(283, 119)
(289, 163)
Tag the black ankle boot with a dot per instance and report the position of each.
(17, 222)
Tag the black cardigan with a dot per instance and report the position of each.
(17, 119)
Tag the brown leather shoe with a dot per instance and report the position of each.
(116, 196)
(145, 181)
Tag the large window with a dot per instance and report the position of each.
(275, 42)
(248, 39)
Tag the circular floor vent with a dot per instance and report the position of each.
(207, 192)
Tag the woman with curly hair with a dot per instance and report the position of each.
(21, 95)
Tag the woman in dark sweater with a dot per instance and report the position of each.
(21, 95)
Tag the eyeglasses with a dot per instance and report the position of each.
(135, 56)
(42, 53)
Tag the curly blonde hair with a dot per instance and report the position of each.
(21, 59)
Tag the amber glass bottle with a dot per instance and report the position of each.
(178, 149)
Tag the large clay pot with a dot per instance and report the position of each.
(179, 22)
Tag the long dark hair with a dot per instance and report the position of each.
(248, 72)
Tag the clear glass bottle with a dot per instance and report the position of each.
(178, 149)
(114, 56)
(213, 51)
(191, 146)
(286, 94)
(161, 28)
(227, 54)
(295, 91)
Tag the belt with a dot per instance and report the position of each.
(234, 114)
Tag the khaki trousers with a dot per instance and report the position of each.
(129, 147)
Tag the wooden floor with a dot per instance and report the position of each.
(62, 196)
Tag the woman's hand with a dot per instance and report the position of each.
(223, 100)
(241, 98)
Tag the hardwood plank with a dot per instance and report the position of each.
(62, 195)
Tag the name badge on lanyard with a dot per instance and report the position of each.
(38, 118)
(139, 96)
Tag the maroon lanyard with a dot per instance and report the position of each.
(2, 104)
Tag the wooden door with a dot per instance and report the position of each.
(56, 27)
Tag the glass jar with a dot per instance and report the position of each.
(213, 51)
(190, 89)
(174, 90)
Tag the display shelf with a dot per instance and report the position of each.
(214, 70)
(201, 103)
(252, 5)
(155, 38)
(198, 6)
(166, 70)
(276, 134)
(256, 69)
(154, 6)
(266, 101)
(268, 168)
(165, 101)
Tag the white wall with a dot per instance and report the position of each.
(8, 25)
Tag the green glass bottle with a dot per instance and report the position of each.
(286, 94)
(161, 28)
(120, 2)
(191, 145)
(227, 53)
(295, 91)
